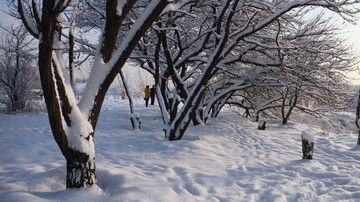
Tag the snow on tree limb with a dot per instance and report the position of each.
(73, 125)
(29, 23)
(103, 73)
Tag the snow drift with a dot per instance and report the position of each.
(228, 159)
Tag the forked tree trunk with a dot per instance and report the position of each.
(80, 164)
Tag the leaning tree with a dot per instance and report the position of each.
(73, 124)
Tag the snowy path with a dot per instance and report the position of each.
(227, 159)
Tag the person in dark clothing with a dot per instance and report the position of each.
(147, 95)
(152, 94)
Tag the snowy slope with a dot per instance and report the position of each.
(227, 159)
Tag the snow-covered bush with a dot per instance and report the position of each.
(18, 76)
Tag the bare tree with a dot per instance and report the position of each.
(17, 72)
(194, 48)
(73, 124)
(310, 67)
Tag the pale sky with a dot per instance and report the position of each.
(352, 34)
(5, 20)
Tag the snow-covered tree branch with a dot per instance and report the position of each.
(267, 44)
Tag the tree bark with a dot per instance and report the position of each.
(80, 170)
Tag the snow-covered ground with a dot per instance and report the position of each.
(227, 159)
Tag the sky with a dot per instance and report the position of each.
(352, 32)
(4, 18)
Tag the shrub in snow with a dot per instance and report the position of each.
(18, 76)
(308, 142)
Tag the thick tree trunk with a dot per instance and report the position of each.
(80, 170)
(81, 164)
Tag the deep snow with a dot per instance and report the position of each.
(227, 159)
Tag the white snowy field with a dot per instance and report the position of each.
(227, 159)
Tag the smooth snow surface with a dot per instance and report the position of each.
(228, 159)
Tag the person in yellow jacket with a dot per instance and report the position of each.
(147, 95)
